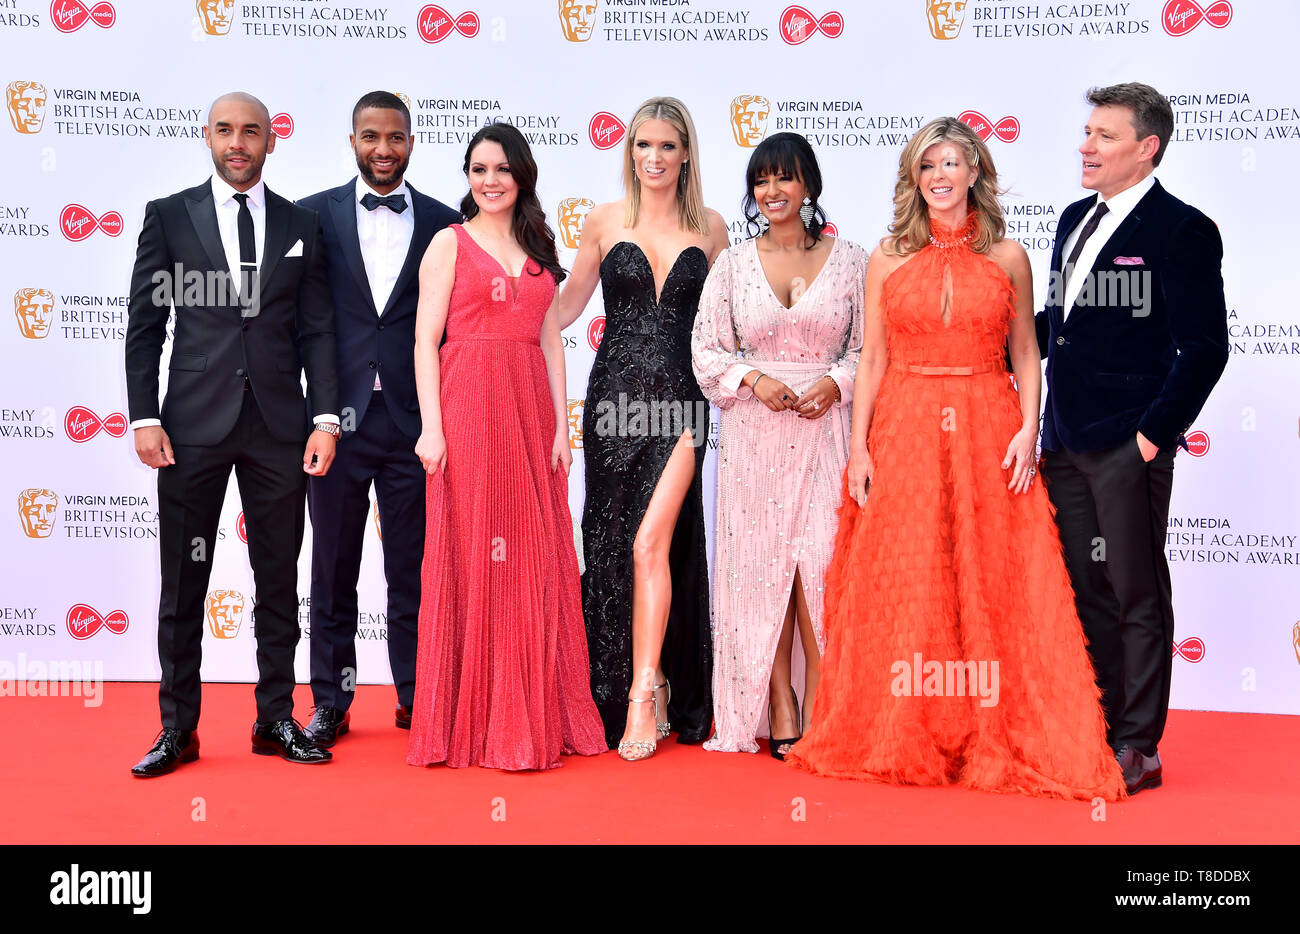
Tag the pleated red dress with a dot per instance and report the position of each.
(501, 679)
(954, 651)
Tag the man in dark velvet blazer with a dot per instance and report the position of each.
(376, 229)
(245, 271)
(1135, 335)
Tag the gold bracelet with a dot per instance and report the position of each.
(838, 396)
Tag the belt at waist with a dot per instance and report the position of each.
(916, 369)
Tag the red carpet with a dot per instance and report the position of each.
(1230, 778)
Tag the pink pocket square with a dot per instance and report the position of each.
(1129, 261)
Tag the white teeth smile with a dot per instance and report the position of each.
(1092, 165)
(941, 191)
(493, 194)
(776, 205)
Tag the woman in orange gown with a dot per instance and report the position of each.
(954, 652)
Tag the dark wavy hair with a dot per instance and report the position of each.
(530, 227)
(784, 154)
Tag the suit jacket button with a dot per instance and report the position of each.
(372, 364)
(1060, 341)
(239, 372)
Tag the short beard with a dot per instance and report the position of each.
(232, 178)
(374, 181)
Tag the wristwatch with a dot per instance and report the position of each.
(329, 428)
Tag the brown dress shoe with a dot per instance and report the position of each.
(402, 717)
(1139, 771)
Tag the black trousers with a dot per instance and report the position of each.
(379, 452)
(272, 488)
(1113, 509)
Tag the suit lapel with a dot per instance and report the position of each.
(1123, 233)
(203, 214)
(423, 215)
(1069, 220)
(277, 234)
(343, 209)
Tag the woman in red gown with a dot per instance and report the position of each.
(501, 674)
(954, 652)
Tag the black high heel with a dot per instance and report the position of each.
(774, 744)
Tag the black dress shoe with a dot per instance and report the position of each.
(170, 749)
(1139, 771)
(327, 725)
(402, 717)
(285, 738)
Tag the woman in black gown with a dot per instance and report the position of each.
(645, 422)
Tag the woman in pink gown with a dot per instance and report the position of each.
(775, 347)
(501, 673)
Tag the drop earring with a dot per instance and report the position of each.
(806, 211)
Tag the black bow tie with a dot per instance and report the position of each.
(394, 203)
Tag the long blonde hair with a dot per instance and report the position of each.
(910, 229)
(690, 190)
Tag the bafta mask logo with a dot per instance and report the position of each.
(576, 407)
(379, 529)
(571, 214)
(749, 119)
(578, 19)
(34, 309)
(25, 101)
(404, 99)
(1295, 639)
(36, 512)
(946, 17)
(215, 16)
(225, 612)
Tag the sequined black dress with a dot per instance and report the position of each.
(640, 394)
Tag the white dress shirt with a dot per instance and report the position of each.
(385, 238)
(227, 208)
(1120, 206)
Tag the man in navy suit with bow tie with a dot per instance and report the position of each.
(1135, 336)
(376, 229)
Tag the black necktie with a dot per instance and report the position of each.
(1088, 230)
(394, 203)
(247, 239)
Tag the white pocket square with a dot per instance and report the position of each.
(295, 250)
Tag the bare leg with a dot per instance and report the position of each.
(652, 588)
(781, 716)
(811, 654)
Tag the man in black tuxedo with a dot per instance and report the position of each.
(1135, 336)
(376, 229)
(245, 270)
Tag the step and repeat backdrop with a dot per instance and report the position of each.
(104, 108)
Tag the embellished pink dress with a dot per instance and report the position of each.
(778, 474)
(501, 676)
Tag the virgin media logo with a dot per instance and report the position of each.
(241, 528)
(71, 15)
(435, 24)
(84, 621)
(799, 24)
(77, 223)
(596, 332)
(82, 424)
(606, 130)
(1198, 443)
(282, 125)
(1192, 649)
(1007, 129)
(1180, 17)
(831, 230)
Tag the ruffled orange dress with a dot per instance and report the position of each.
(954, 652)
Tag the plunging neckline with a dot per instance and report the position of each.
(659, 290)
(513, 280)
(817, 278)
